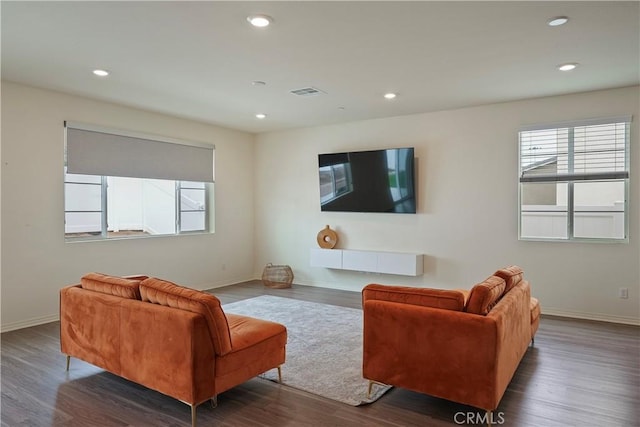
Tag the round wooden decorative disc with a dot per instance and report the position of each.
(327, 238)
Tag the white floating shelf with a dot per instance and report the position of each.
(404, 264)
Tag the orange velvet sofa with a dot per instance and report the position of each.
(459, 345)
(172, 339)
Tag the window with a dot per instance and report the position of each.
(139, 199)
(574, 180)
(192, 215)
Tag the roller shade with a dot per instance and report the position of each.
(94, 151)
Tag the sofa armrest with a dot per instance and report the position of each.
(459, 356)
(168, 350)
(443, 353)
(448, 299)
(512, 314)
(89, 326)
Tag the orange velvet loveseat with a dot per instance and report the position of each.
(172, 339)
(459, 345)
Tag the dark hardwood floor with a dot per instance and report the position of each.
(579, 373)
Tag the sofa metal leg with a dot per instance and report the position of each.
(280, 374)
(193, 415)
(489, 420)
(214, 401)
(370, 389)
(68, 360)
(533, 341)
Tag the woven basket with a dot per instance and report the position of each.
(277, 276)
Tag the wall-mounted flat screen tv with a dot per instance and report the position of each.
(368, 181)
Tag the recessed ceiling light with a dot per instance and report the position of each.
(258, 83)
(390, 95)
(261, 116)
(101, 73)
(260, 20)
(557, 21)
(567, 67)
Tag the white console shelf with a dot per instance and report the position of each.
(405, 264)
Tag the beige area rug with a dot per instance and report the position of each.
(324, 347)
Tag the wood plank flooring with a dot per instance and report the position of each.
(579, 373)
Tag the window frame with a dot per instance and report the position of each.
(104, 153)
(206, 189)
(104, 225)
(572, 178)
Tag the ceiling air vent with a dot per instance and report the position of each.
(307, 91)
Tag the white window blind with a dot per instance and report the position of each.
(591, 151)
(94, 151)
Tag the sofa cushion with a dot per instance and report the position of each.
(169, 294)
(112, 285)
(258, 345)
(512, 275)
(485, 295)
(447, 299)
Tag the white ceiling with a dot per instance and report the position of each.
(198, 59)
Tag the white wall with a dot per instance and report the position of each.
(36, 261)
(466, 225)
(468, 205)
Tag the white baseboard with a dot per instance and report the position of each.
(35, 321)
(600, 317)
(226, 282)
(6, 327)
